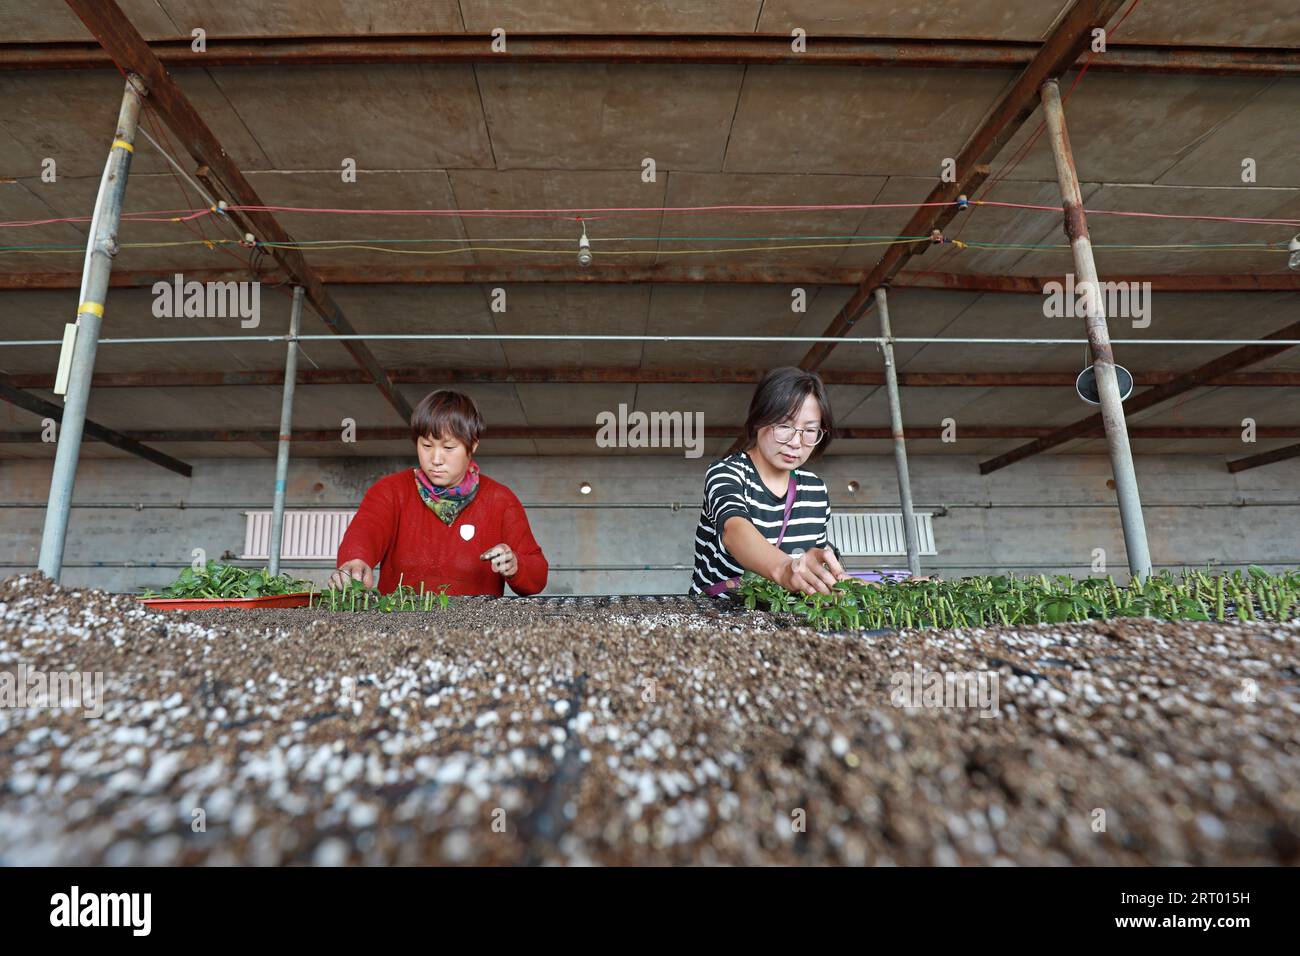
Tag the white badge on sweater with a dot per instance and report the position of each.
(466, 531)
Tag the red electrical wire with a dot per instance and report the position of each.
(577, 213)
(146, 108)
(164, 137)
(1025, 147)
(1042, 124)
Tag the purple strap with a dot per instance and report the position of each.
(713, 590)
(879, 577)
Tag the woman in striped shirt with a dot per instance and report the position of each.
(762, 511)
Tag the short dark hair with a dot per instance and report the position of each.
(444, 413)
(779, 396)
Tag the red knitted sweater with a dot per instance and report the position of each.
(395, 528)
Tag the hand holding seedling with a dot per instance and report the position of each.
(349, 571)
(815, 571)
(503, 560)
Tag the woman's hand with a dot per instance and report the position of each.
(815, 571)
(354, 570)
(503, 560)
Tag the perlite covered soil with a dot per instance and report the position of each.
(638, 731)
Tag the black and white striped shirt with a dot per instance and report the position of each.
(732, 486)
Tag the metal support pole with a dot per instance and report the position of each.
(100, 250)
(1103, 360)
(286, 431)
(896, 428)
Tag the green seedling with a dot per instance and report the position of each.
(215, 580)
(357, 597)
(1008, 600)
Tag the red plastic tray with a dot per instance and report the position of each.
(297, 599)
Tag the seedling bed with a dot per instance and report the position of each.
(567, 730)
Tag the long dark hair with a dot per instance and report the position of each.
(778, 398)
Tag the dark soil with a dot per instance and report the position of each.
(638, 731)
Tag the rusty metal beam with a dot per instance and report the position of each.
(721, 49)
(412, 375)
(107, 23)
(1180, 383)
(1063, 44)
(664, 274)
(39, 406)
(930, 217)
(1265, 458)
(386, 433)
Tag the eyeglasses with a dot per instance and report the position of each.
(784, 434)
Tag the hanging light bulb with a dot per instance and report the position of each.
(584, 248)
(1294, 248)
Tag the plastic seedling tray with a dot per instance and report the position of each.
(297, 599)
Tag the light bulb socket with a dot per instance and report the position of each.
(584, 248)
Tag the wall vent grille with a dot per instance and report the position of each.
(878, 533)
(307, 535)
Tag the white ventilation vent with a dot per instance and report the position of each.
(307, 535)
(879, 533)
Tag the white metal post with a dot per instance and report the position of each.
(100, 250)
(286, 431)
(896, 429)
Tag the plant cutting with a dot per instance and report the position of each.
(357, 597)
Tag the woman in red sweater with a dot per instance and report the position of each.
(442, 523)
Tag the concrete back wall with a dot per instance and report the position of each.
(633, 533)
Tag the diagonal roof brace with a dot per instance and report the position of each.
(1264, 458)
(39, 406)
(1062, 46)
(928, 218)
(1185, 382)
(115, 33)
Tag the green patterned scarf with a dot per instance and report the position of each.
(446, 503)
